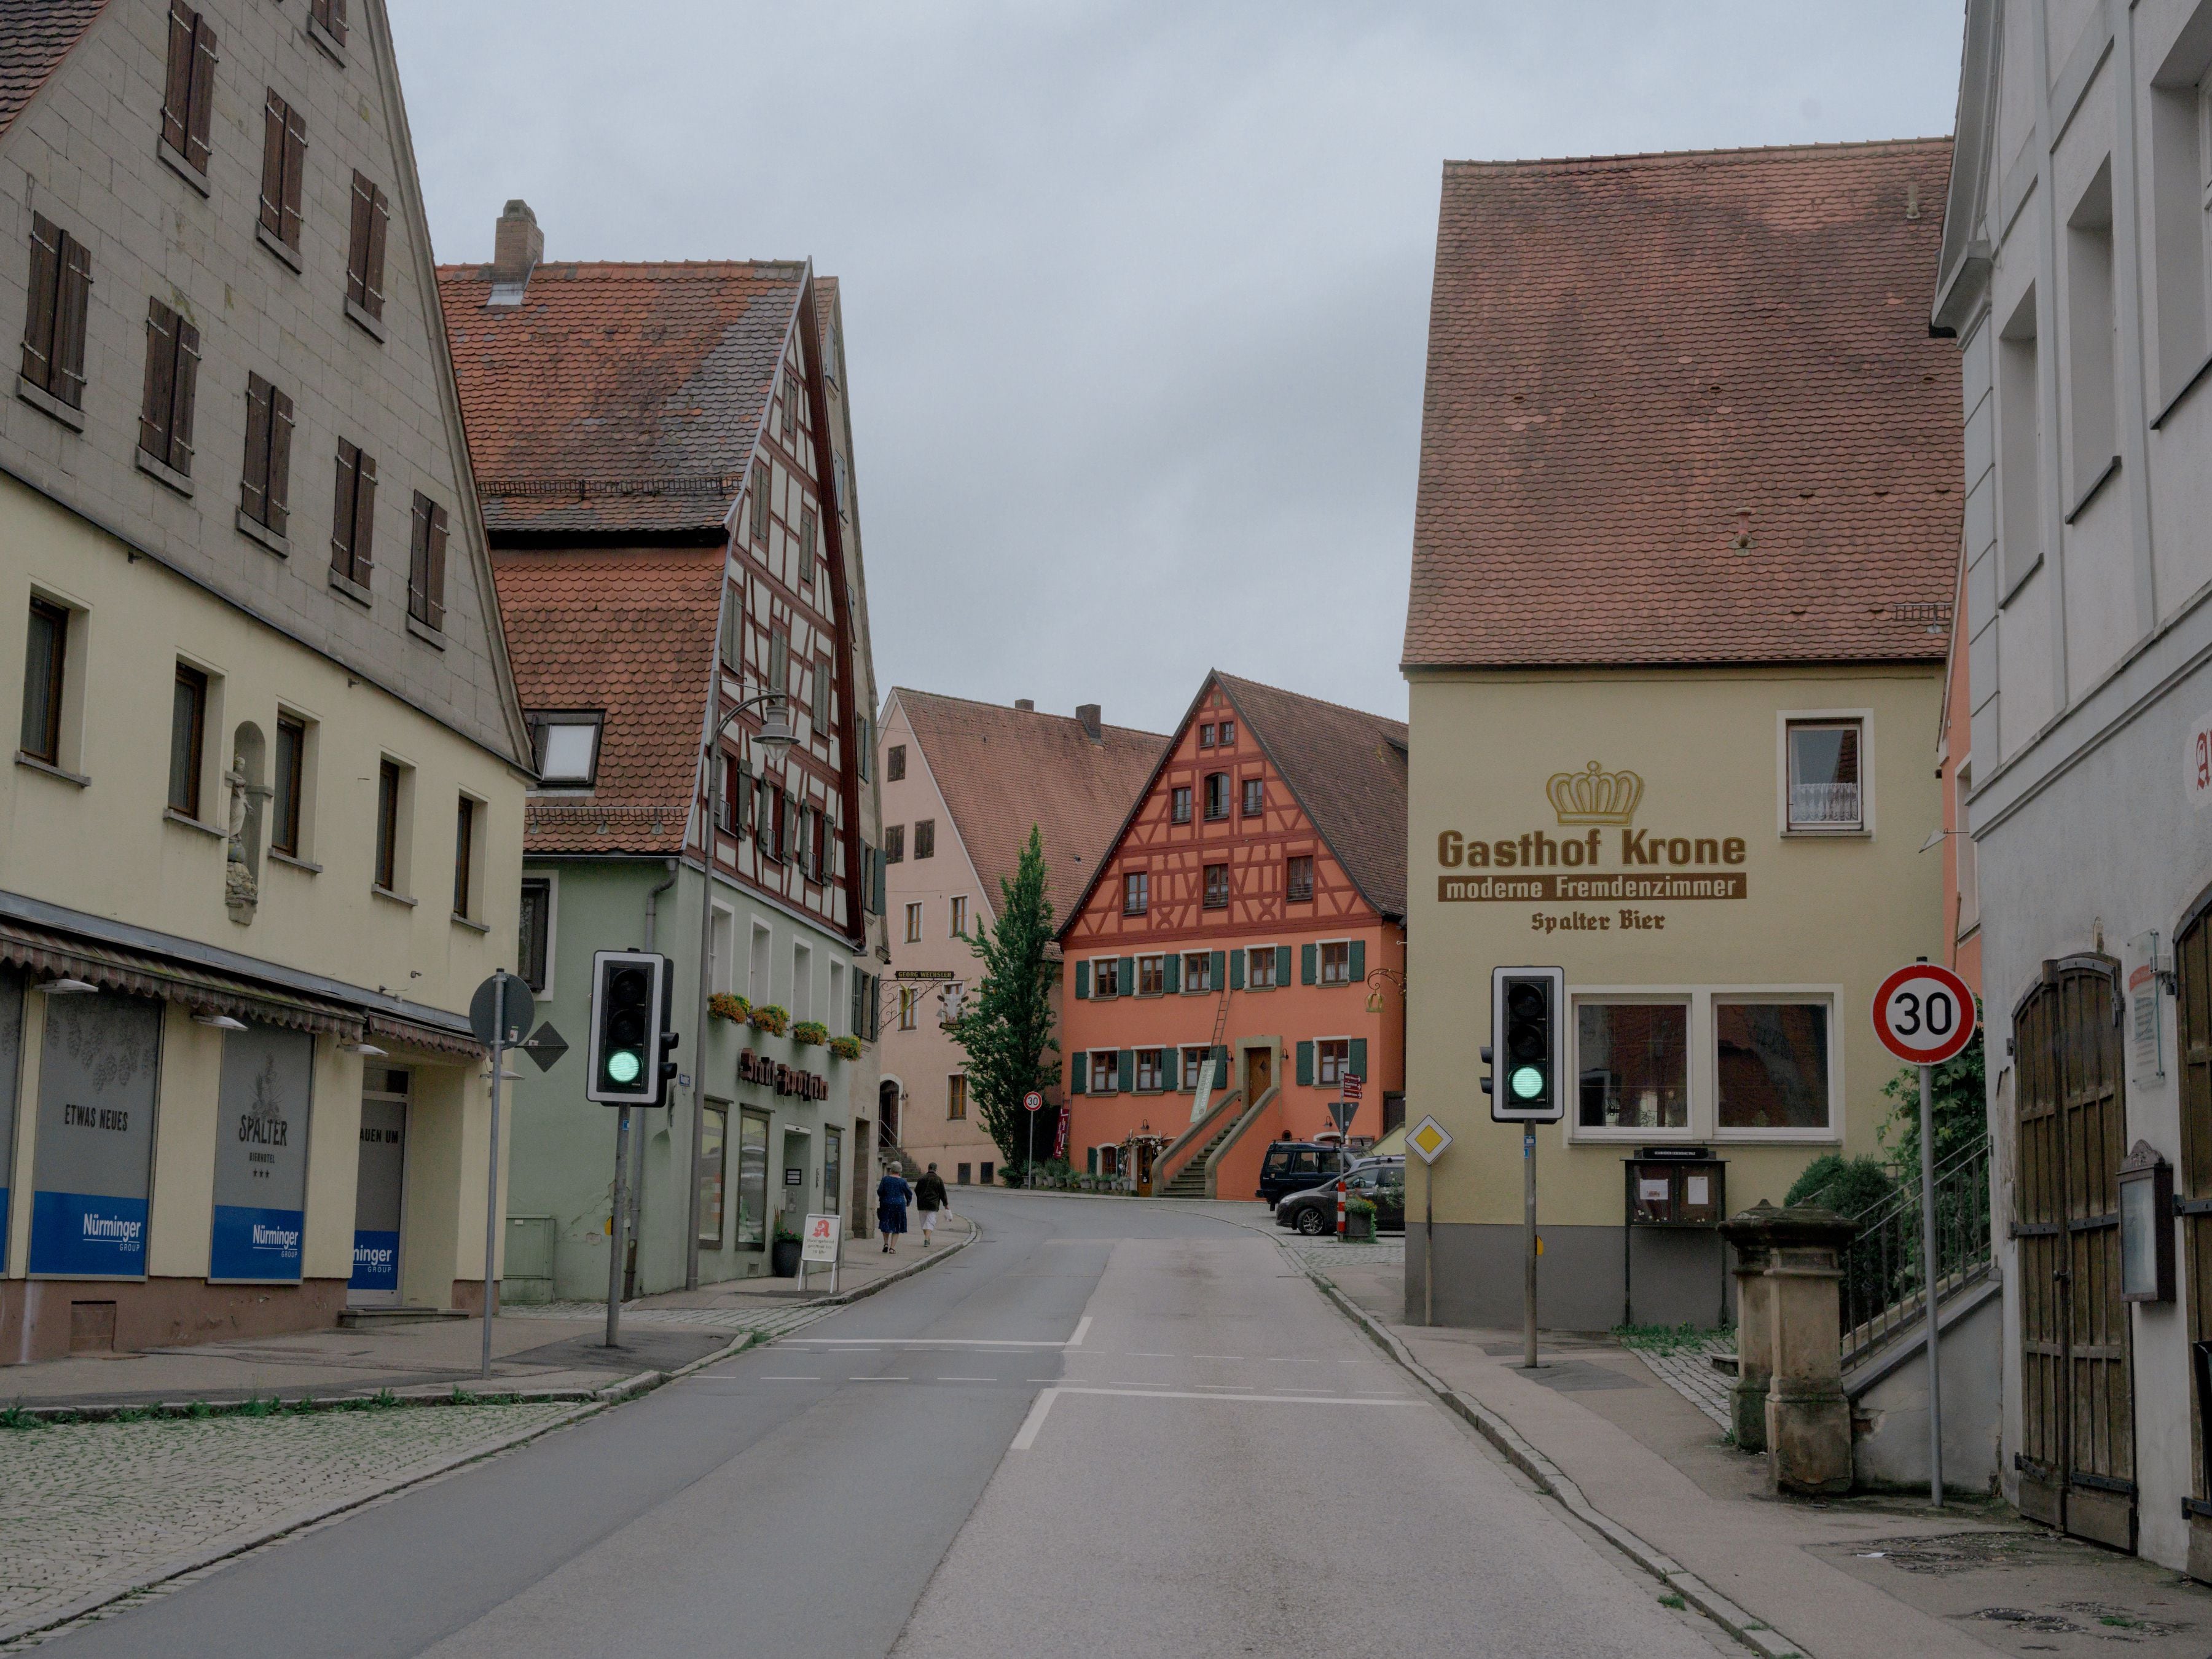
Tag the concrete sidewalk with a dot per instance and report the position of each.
(556, 1348)
(1864, 1577)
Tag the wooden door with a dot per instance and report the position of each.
(2192, 960)
(1259, 1068)
(2076, 1459)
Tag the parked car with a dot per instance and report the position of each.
(1380, 1181)
(1291, 1166)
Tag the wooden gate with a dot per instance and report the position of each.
(2193, 959)
(2076, 1459)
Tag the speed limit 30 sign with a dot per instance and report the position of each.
(1923, 1014)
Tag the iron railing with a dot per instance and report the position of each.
(1884, 1285)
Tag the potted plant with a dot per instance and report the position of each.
(1359, 1218)
(728, 1004)
(810, 1030)
(845, 1047)
(770, 1018)
(783, 1252)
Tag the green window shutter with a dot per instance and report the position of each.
(1235, 969)
(1360, 962)
(1220, 968)
(1221, 1066)
(1172, 968)
(1128, 985)
(1307, 955)
(1282, 964)
(1078, 1071)
(1360, 1057)
(1082, 985)
(1305, 1064)
(1128, 1080)
(1090, 1160)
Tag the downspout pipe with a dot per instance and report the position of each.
(637, 1118)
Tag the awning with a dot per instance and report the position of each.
(201, 989)
(414, 1034)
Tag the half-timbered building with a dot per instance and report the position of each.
(1238, 957)
(668, 486)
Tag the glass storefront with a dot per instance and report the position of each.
(752, 1177)
(261, 1155)
(714, 1172)
(98, 1079)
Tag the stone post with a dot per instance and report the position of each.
(1754, 1325)
(1807, 1436)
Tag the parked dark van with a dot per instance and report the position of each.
(1291, 1166)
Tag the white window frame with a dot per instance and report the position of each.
(1185, 988)
(802, 980)
(1183, 1053)
(1137, 1068)
(914, 922)
(551, 877)
(1113, 1070)
(1275, 983)
(1161, 958)
(1118, 991)
(1704, 1065)
(1319, 1082)
(760, 966)
(1786, 718)
(721, 948)
(955, 916)
(1320, 962)
(545, 722)
(840, 1002)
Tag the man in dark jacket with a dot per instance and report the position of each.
(929, 1198)
(892, 1194)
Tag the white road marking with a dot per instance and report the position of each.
(791, 1379)
(1026, 1436)
(1081, 1326)
(861, 1344)
(879, 1379)
(967, 1379)
(1217, 1356)
(1133, 1354)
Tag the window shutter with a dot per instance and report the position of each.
(732, 620)
(1360, 1057)
(741, 815)
(1082, 982)
(364, 522)
(379, 226)
(273, 165)
(280, 459)
(860, 1002)
(1172, 968)
(1218, 967)
(161, 381)
(1127, 1068)
(821, 698)
(199, 117)
(343, 503)
(438, 567)
(1079, 1072)
(1282, 964)
(177, 93)
(364, 204)
(69, 310)
(881, 871)
(185, 396)
(1307, 955)
(1221, 1066)
(39, 313)
(295, 168)
(1128, 981)
(253, 487)
(1305, 1064)
(1235, 968)
(1360, 962)
(779, 651)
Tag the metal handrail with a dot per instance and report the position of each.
(1884, 1285)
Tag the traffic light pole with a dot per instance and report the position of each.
(1529, 1246)
(617, 1229)
(491, 1179)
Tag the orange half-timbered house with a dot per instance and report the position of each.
(1251, 912)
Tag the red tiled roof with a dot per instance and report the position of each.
(617, 396)
(1627, 353)
(630, 632)
(35, 35)
(1002, 770)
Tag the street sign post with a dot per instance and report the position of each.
(1032, 1102)
(1527, 1085)
(499, 1013)
(1343, 1111)
(819, 1242)
(1925, 1015)
(1428, 1140)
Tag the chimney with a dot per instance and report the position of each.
(1088, 714)
(1027, 705)
(517, 245)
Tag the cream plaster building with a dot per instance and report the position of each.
(263, 825)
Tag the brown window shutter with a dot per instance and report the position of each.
(280, 460)
(331, 14)
(177, 93)
(161, 381)
(39, 313)
(69, 312)
(364, 522)
(185, 396)
(418, 561)
(364, 203)
(202, 112)
(274, 123)
(438, 567)
(254, 487)
(295, 169)
(342, 509)
(379, 222)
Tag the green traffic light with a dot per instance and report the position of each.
(623, 1065)
(1527, 1082)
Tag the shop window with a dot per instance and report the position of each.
(1772, 1064)
(1136, 892)
(1633, 1061)
(1179, 803)
(1198, 970)
(1336, 962)
(1217, 796)
(752, 1179)
(956, 1097)
(1151, 975)
(714, 1172)
(1331, 1060)
(1152, 1070)
(1298, 879)
(1259, 968)
(1256, 797)
(1824, 776)
(1216, 887)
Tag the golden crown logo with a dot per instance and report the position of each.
(1594, 796)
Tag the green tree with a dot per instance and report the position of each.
(1957, 1102)
(1005, 1029)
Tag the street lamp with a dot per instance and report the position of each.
(776, 735)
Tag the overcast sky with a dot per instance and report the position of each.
(1136, 295)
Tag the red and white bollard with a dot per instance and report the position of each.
(1340, 1213)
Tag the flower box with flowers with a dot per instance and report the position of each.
(809, 1030)
(729, 1006)
(771, 1018)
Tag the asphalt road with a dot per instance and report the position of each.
(1106, 1427)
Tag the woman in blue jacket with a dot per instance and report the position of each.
(892, 1196)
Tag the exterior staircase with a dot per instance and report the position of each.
(1189, 1181)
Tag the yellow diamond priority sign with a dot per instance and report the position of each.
(1429, 1138)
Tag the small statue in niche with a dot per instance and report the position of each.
(239, 890)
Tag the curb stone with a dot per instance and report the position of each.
(1752, 1631)
(588, 1403)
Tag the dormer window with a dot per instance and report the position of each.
(567, 749)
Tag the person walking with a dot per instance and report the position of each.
(892, 1196)
(929, 1198)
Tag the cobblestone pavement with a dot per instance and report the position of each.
(1326, 1252)
(1691, 1373)
(89, 1510)
(771, 1319)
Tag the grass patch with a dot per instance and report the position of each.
(1666, 1340)
(1672, 1599)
